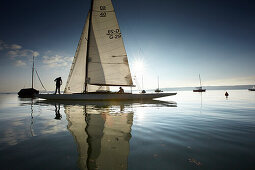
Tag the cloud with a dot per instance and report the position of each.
(21, 56)
(15, 47)
(20, 63)
(56, 61)
(17, 54)
(12, 54)
(4, 46)
(15, 50)
(22, 53)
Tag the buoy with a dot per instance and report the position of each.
(226, 94)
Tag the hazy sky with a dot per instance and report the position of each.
(174, 39)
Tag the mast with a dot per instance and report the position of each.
(158, 82)
(87, 55)
(200, 80)
(33, 73)
(142, 82)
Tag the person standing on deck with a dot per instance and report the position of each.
(58, 84)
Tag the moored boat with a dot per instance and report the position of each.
(29, 92)
(252, 89)
(158, 90)
(200, 88)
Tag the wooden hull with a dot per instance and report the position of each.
(103, 96)
(199, 90)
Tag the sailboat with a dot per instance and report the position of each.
(100, 61)
(200, 88)
(252, 89)
(29, 92)
(158, 90)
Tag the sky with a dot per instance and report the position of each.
(175, 40)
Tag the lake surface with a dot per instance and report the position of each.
(186, 131)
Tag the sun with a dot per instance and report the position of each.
(138, 66)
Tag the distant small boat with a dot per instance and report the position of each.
(158, 90)
(252, 89)
(200, 88)
(29, 92)
(143, 91)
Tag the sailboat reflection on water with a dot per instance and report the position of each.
(102, 130)
(102, 136)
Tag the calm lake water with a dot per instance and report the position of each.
(187, 131)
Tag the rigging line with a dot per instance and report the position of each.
(137, 83)
(40, 80)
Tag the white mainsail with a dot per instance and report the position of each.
(106, 57)
(107, 62)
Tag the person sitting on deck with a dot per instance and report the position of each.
(58, 84)
(121, 90)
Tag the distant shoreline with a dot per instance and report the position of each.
(235, 87)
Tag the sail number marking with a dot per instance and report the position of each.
(114, 34)
(103, 13)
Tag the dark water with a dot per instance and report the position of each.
(204, 131)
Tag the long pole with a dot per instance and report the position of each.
(33, 73)
(87, 56)
(158, 82)
(200, 80)
(142, 82)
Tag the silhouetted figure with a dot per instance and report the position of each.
(226, 94)
(121, 107)
(58, 84)
(58, 116)
(121, 90)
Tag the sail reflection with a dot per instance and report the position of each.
(102, 135)
(102, 130)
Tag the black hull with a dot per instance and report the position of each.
(28, 93)
(158, 91)
(251, 89)
(203, 90)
